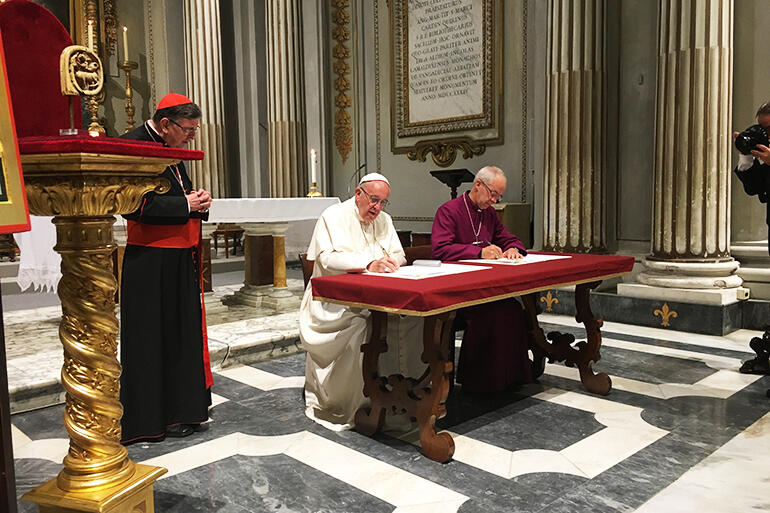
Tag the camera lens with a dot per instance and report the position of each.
(750, 138)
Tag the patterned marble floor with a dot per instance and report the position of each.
(682, 430)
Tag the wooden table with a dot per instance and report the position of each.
(437, 299)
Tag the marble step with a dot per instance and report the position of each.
(9, 269)
(238, 334)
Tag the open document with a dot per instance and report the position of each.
(418, 272)
(531, 258)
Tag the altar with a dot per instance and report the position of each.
(259, 217)
(265, 221)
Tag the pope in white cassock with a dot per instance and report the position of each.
(355, 234)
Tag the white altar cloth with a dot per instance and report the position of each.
(267, 210)
(39, 264)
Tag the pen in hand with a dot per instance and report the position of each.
(385, 251)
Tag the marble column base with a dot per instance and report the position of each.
(685, 295)
(213, 303)
(281, 298)
(690, 275)
(251, 295)
(755, 267)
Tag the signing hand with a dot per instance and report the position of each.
(512, 254)
(491, 252)
(383, 265)
(762, 153)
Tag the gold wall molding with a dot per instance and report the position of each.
(524, 106)
(377, 107)
(151, 55)
(343, 126)
(110, 18)
(444, 151)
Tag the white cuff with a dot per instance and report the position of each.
(745, 162)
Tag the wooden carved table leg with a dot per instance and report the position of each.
(537, 342)
(588, 352)
(560, 347)
(371, 420)
(421, 399)
(437, 335)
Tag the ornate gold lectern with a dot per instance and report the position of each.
(84, 182)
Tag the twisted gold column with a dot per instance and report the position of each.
(84, 192)
(91, 371)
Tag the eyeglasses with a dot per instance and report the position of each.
(495, 195)
(375, 200)
(185, 129)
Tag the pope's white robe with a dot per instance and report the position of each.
(333, 334)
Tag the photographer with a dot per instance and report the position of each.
(753, 170)
(753, 167)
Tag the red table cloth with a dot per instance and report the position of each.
(430, 296)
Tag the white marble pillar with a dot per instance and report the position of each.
(203, 64)
(574, 216)
(691, 206)
(288, 152)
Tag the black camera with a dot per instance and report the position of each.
(749, 138)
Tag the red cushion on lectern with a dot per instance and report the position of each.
(103, 145)
(33, 39)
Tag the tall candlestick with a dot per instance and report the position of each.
(313, 164)
(91, 35)
(125, 43)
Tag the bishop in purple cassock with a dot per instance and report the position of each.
(494, 353)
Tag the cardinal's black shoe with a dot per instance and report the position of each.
(179, 431)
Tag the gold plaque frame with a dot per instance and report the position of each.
(468, 133)
(14, 212)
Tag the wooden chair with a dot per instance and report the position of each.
(417, 253)
(227, 230)
(307, 267)
(423, 253)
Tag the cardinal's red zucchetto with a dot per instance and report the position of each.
(173, 100)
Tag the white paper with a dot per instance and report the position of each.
(418, 272)
(531, 258)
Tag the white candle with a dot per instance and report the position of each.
(90, 34)
(125, 43)
(313, 164)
